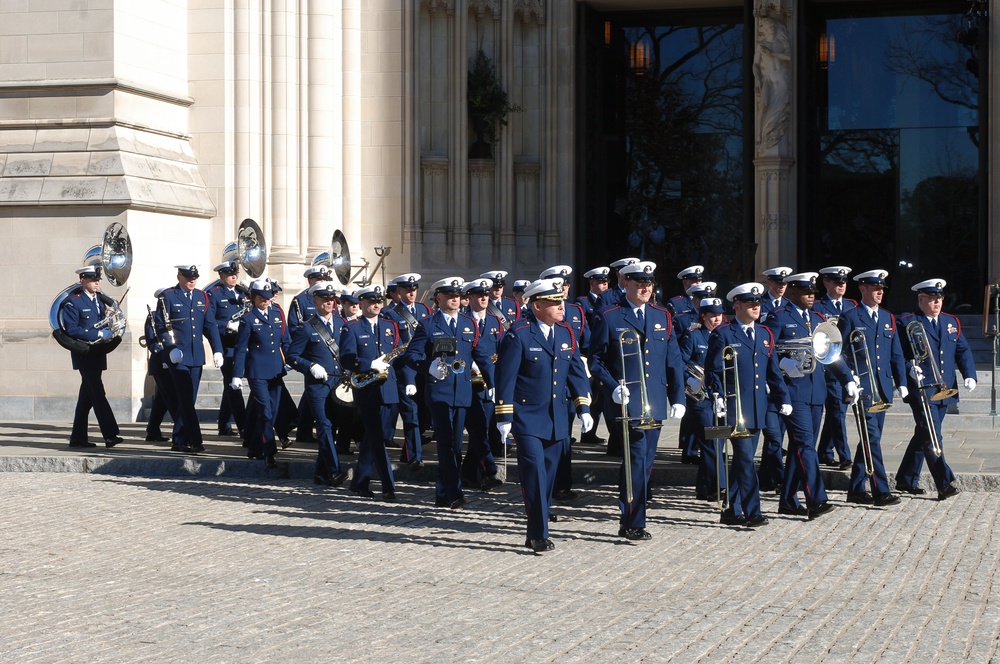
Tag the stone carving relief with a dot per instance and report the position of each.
(529, 10)
(772, 69)
(478, 8)
(434, 6)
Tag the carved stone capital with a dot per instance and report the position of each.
(482, 168)
(527, 170)
(776, 8)
(529, 10)
(433, 6)
(480, 7)
(434, 166)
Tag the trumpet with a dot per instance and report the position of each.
(823, 346)
(628, 339)
(456, 366)
(859, 354)
(698, 373)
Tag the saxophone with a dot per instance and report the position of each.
(364, 378)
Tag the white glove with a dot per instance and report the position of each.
(165, 366)
(410, 390)
(104, 335)
(620, 395)
(218, 359)
(903, 391)
(379, 364)
(176, 355)
(677, 411)
(970, 384)
(475, 368)
(916, 373)
(233, 325)
(719, 407)
(504, 429)
(236, 384)
(853, 392)
(790, 367)
(438, 370)
(586, 422)
(694, 384)
(318, 372)
(490, 393)
(786, 409)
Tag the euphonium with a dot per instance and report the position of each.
(699, 373)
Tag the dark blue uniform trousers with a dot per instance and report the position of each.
(833, 437)
(744, 490)
(802, 465)
(187, 430)
(918, 449)
(478, 462)
(642, 444)
(859, 479)
(708, 477)
(412, 445)
(316, 394)
(536, 464)
(92, 395)
(449, 427)
(232, 405)
(380, 424)
(772, 469)
(266, 395)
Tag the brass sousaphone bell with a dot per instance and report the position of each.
(114, 257)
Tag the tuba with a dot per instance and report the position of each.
(114, 256)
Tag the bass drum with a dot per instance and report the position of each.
(343, 394)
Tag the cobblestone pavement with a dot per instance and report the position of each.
(102, 568)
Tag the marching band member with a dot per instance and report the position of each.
(479, 468)
(760, 383)
(772, 468)
(164, 399)
(535, 353)
(348, 424)
(185, 314)
(229, 297)
(261, 349)
(693, 346)
(833, 437)
(616, 295)
(597, 280)
(407, 313)
(517, 292)
(315, 352)
(658, 351)
(364, 344)
(807, 391)
(684, 304)
(883, 348)
(439, 344)
(350, 305)
(573, 315)
(505, 308)
(688, 437)
(80, 315)
(613, 297)
(948, 348)
(301, 310)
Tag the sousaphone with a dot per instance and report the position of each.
(113, 257)
(251, 249)
(340, 261)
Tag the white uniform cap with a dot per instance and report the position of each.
(598, 273)
(323, 289)
(544, 289)
(561, 271)
(777, 273)
(930, 286)
(480, 285)
(748, 292)
(408, 279)
(497, 276)
(370, 293)
(693, 272)
(448, 285)
(622, 262)
(876, 277)
(521, 284)
(839, 272)
(641, 271)
(703, 289)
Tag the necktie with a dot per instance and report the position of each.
(375, 329)
(452, 326)
(642, 319)
(482, 325)
(934, 324)
(551, 338)
(838, 306)
(329, 326)
(875, 315)
(750, 333)
(413, 310)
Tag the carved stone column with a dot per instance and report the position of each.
(436, 205)
(482, 210)
(526, 214)
(774, 146)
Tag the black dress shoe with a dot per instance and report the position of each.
(364, 493)
(389, 496)
(830, 462)
(457, 503)
(227, 431)
(860, 498)
(914, 490)
(553, 518)
(539, 545)
(416, 466)
(347, 452)
(793, 511)
(250, 455)
(269, 461)
(732, 520)
(701, 496)
(195, 449)
(338, 478)
(565, 494)
(820, 510)
(948, 492)
(285, 442)
(179, 448)
(490, 482)
(305, 439)
(846, 464)
(81, 443)
(886, 499)
(157, 438)
(111, 442)
(634, 534)
(319, 479)
(756, 521)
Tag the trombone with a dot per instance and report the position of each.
(917, 335)
(739, 428)
(720, 433)
(626, 341)
(859, 355)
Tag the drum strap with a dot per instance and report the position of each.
(324, 333)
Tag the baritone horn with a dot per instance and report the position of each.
(697, 373)
(823, 346)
